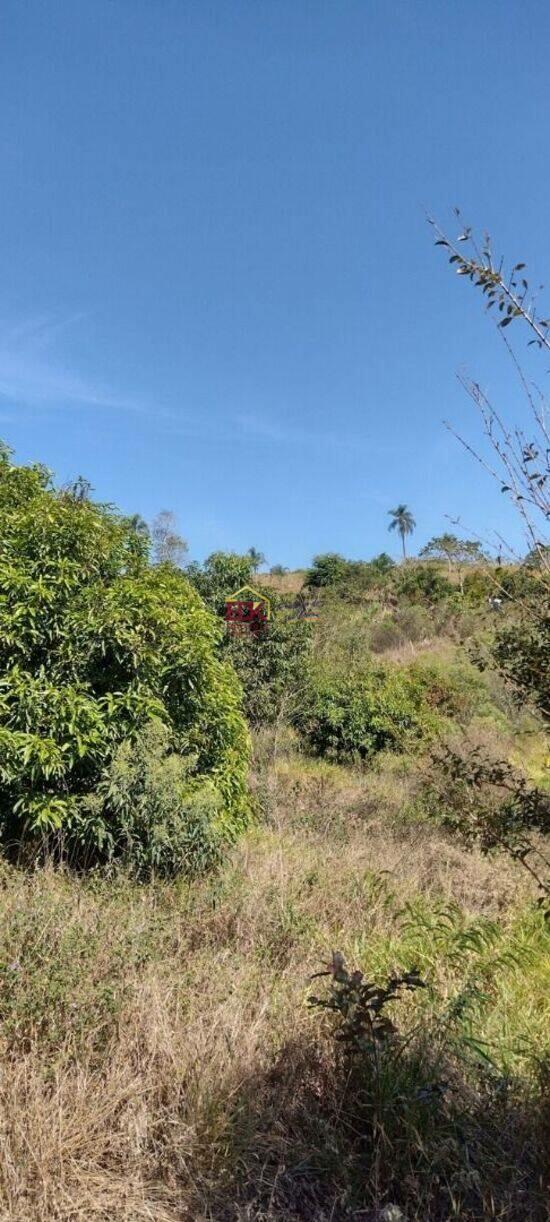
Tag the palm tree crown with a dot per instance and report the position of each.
(256, 558)
(403, 522)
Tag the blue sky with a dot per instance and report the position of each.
(218, 290)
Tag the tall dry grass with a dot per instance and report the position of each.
(159, 1061)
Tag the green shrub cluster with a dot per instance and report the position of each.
(95, 645)
(422, 583)
(221, 575)
(354, 716)
(407, 624)
(453, 688)
(348, 577)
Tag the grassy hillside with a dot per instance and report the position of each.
(160, 1059)
(158, 1040)
(313, 989)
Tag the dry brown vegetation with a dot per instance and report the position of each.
(159, 1060)
(285, 583)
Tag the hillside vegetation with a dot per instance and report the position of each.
(165, 1052)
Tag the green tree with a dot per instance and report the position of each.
(95, 646)
(327, 569)
(403, 522)
(221, 575)
(457, 553)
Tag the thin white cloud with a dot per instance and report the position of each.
(275, 431)
(34, 374)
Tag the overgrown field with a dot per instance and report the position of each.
(160, 1059)
(274, 937)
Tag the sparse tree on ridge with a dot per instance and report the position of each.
(456, 552)
(169, 547)
(403, 522)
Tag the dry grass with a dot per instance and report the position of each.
(158, 1061)
(286, 583)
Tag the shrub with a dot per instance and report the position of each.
(272, 667)
(452, 687)
(478, 586)
(405, 625)
(221, 575)
(163, 820)
(421, 583)
(352, 717)
(350, 579)
(328, 569)
(490, 804)
(521, 651)
(94, 643)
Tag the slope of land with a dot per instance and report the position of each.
(160, 1060)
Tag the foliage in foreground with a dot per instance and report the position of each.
(96, 645)
(158, 1040)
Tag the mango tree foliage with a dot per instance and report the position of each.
(95, 646)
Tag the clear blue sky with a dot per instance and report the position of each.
(218, 293)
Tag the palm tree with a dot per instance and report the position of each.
(403, 522)
(256, 558)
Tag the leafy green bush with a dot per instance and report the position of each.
(328, 569)
(162, 819)
(521, 651)
(421, 583)
(508, 582)
(272, 667)
(221, 575)
(354, 716)
(478, 586)
(94, 644)
(489, 804)
(350, 579)
(452, 687)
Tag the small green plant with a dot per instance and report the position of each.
(393, 1099)
(359, 1005)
